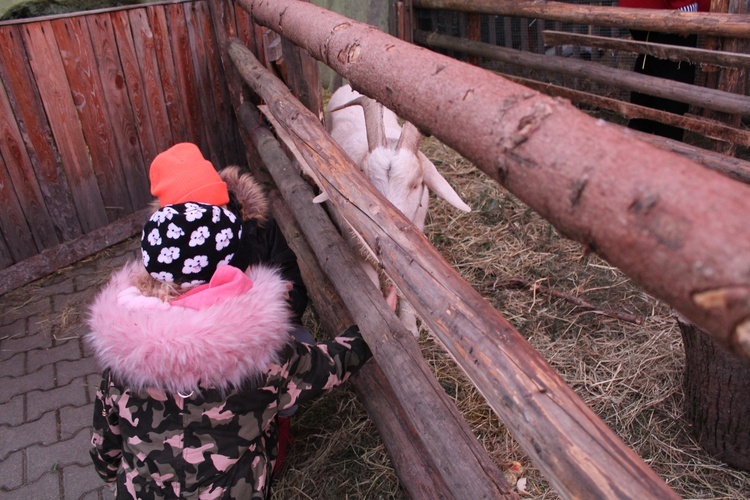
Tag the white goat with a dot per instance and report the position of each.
(389, 156)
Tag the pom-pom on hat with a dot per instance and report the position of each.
(181, 174)
(187, 242)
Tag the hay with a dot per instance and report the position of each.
(629, 374)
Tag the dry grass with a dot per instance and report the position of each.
(629, 374)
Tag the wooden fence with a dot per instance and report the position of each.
(87, 101)
(595, 56)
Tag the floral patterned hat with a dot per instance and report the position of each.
(185, 243)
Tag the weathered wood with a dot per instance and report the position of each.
(730, 79)
(709, 128)
(414, 467)
(67, 253)
(465, 467)
(668, 21)
(660, 50)
(119, 113)
(61, 112)
(646, 211)
(78, 59)
(620, 78)
(156, 106)
(162, 49)
(186, 80)
(717, 397)
(547, 418)
(13, 225)
(28, 108)
(134, 84)
(17, 174)
(733, 168)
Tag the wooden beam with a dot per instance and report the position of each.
(667, 21)
(660, 50)
(698, 96)
(65, 254)
(551, 423)
(709, 128)
(417, 472)
(648, 212)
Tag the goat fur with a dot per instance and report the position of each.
(388, 154)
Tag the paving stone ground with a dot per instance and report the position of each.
(48, 380)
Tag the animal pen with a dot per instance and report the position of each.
(90, 99)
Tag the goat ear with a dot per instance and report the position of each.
(373, 123)
(409, 139)
(438, 185)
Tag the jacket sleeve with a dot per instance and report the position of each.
(316, 369)
(267, 245)
(106, 439)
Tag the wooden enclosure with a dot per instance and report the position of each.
(89, 100)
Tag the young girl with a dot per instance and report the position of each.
(198, 362)
(181, 174)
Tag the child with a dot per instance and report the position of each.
(198, 362)
(181, 174)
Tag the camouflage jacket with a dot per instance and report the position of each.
(188, 401)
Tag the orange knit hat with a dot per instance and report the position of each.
(181, 174)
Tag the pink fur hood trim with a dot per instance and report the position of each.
(151, 344)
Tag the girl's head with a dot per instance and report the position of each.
(182, 245)
(181, 174)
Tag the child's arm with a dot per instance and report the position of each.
(106, 438)
(316, 369)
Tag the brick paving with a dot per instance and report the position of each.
(48, 379)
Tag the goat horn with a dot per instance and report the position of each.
(410, 137)
(374, 125)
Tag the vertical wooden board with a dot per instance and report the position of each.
(134, 85)
(190, 102)
(167, 71)
(208, 108)
(144, 43)
(5, 258)
(224, 24)
(48, 70)
(21, 184)
(119, 110)
(245, 28)
(26, 103)
(78, 59)
(13, 223)
(222, 101)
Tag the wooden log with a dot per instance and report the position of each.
(416, 471)
(70, 252)
(620, 78)
(565, 439)
(671, 52)
(667, 21)
(717, 397)
(709, 128)
(734, 168)
(648, 212)
(464, 466)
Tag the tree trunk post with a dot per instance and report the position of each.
(717, 396)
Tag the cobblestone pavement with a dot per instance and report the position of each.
(48, 380)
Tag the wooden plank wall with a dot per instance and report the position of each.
(87, 101)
